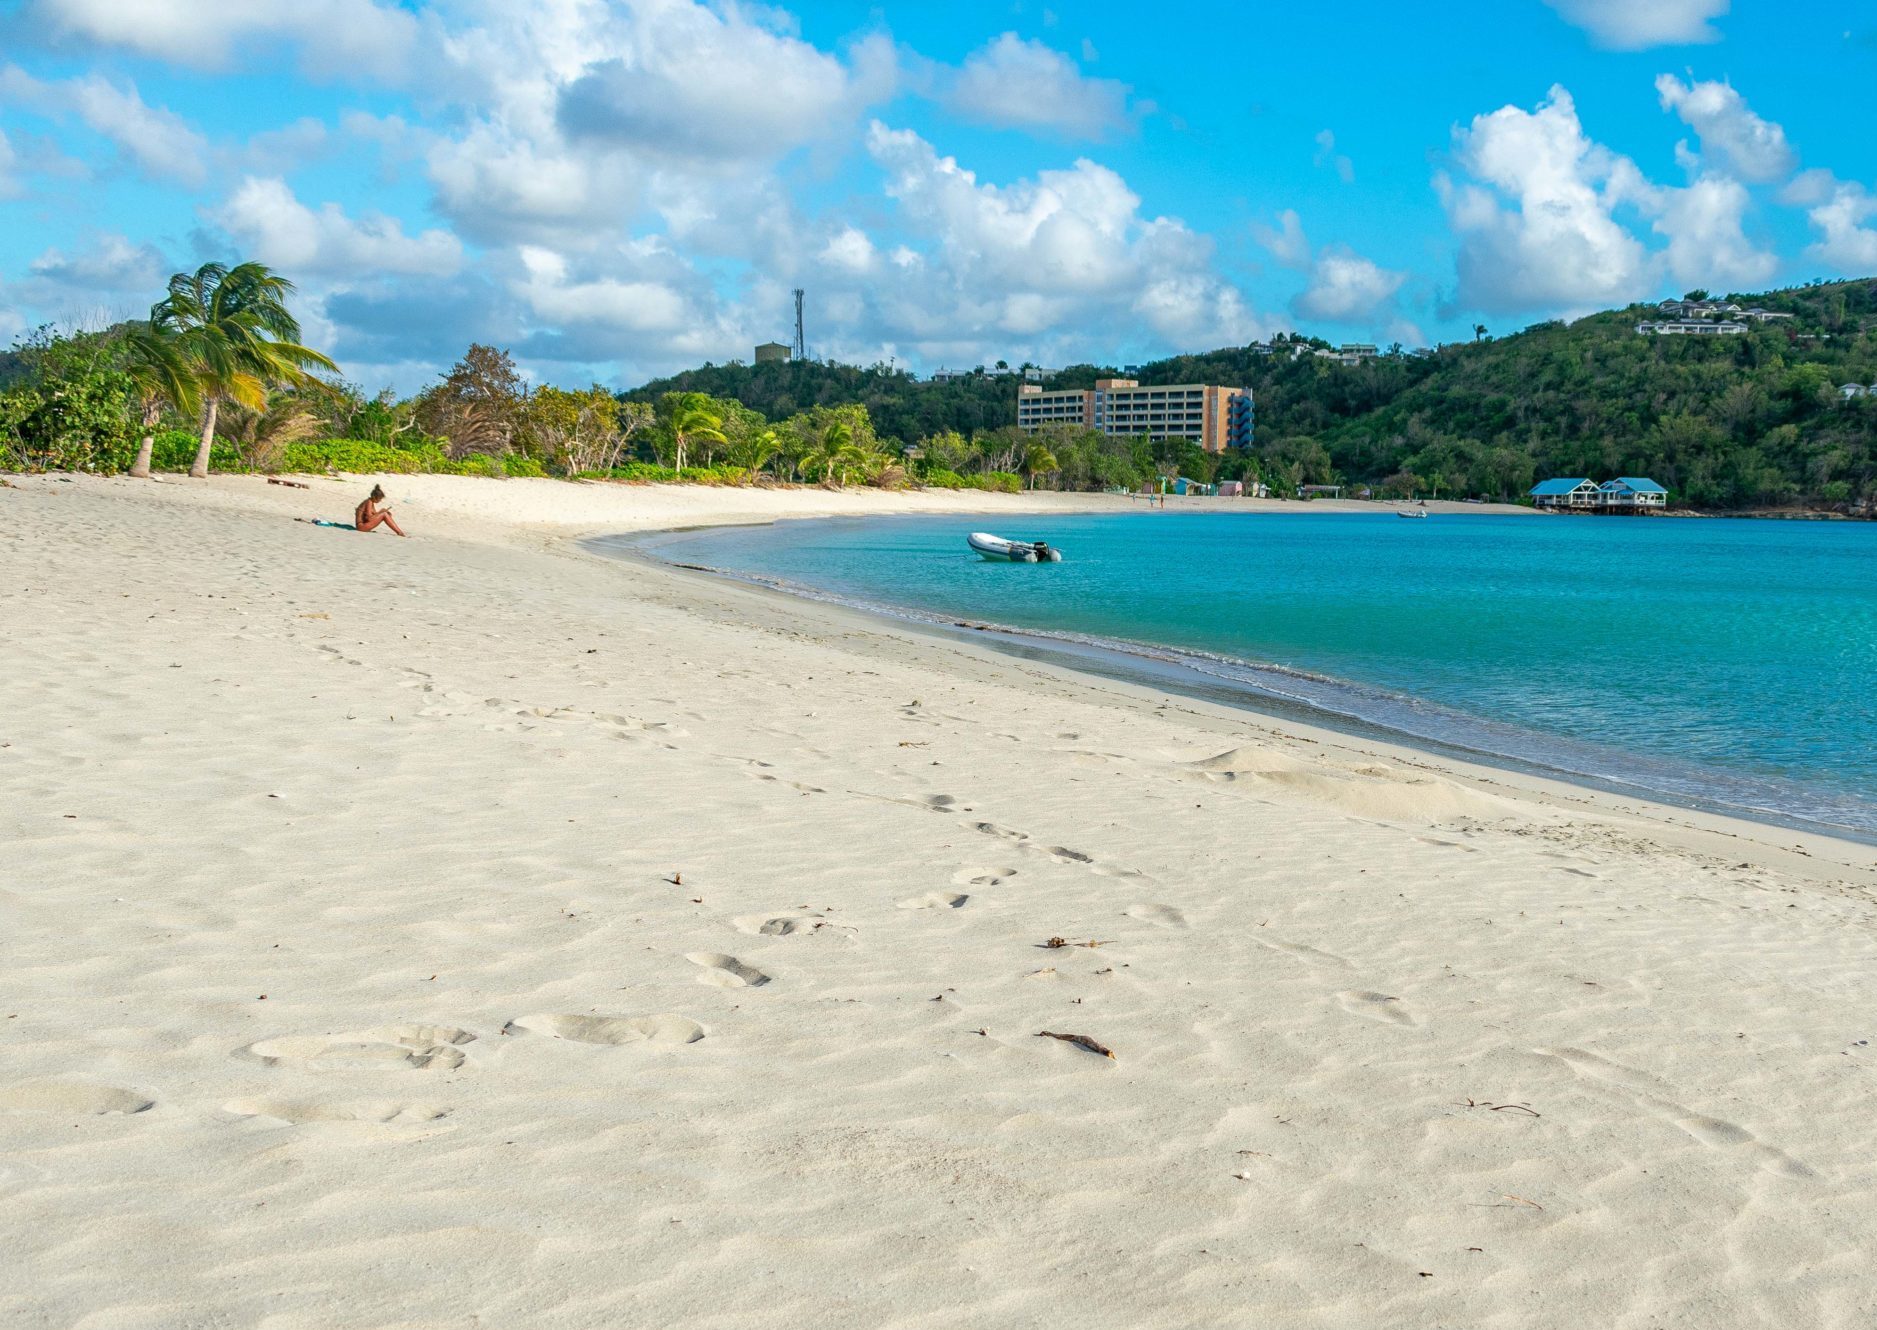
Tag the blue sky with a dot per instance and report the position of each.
(615, 190)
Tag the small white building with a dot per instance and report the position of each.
(1850, 390)
(1691, 328)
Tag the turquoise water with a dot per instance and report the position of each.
(1732, 664)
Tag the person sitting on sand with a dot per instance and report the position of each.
(374, 512)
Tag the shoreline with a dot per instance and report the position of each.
(616, 944)
(1178, 671)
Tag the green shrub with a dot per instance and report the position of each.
(361, 457)
(939, 478)
(650, 473)
(999, 482)
(478, 464)
(175, 450)
(515, 464)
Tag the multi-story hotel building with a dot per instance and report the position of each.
(1215, 418)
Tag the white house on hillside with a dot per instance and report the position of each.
(1692, 328)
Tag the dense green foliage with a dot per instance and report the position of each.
(899, 406)
(1738, 421)
(1751, 420)
(72, 410)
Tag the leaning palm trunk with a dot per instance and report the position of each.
(201, 467)
(140, 469)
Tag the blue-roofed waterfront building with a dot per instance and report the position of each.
(1569, 492)
(1631, 494)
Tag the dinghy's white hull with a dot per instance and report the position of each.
(998, 550)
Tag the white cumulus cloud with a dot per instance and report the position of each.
(1840, 215)
(1707, 240)
(1012, 83)
(1285, 241)
(264, 215)
(1636, 25)
(1535, 224)
(1539, 227)
(160, 143)
(1753, 149)
(336, 37)
(1345, 287)
(1033, 267)
(677, 79)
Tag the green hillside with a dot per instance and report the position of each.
(1723, 421)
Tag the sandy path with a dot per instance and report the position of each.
(467, 931)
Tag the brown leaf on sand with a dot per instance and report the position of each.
(1079, 1040)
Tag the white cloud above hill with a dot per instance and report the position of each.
(1013, 83)
(275, 227)
(1541, 215)
(1637, 25)
(157, 142)
(1752, 149)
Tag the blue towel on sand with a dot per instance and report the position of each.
(342, 526)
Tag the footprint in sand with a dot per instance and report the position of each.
(721, 971)
(1375, 1006)
(611, 1030)
(789, 925)
(1161, 916)
(983, 877)
(1002, 833)
(1327, 960)
(935, 900)
(70, 1099)
(388, 1046)
(1646, 1090)
(311, 1110)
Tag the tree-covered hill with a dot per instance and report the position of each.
(1723, 421)
(900, 406)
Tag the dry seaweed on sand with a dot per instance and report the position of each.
(1079, 1040)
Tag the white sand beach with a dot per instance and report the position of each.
(471, 930)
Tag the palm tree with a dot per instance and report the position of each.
(1479, 331)
(160, 374)
(851, 457)
(1039, 461)
(693, 420)
(837, 436)
(754, 453)
(233, 326)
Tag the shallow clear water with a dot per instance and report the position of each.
(1727, 663)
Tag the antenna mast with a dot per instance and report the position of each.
(800, 350)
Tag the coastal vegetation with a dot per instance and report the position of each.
(217, 378)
